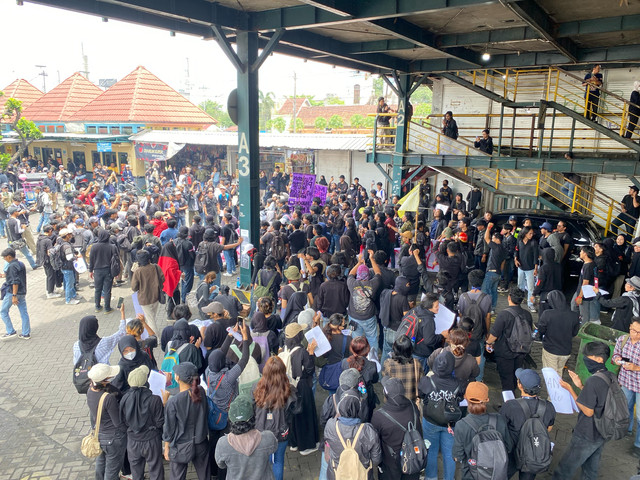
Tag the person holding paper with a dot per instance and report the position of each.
(136, 328)
(88, 339)
(143, 414)
(626, 306)
(508, 361)
(585, 449)
(589, 307)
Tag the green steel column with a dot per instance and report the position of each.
(248, 148)
(404, 88)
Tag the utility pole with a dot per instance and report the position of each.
(43, 74)
(85, 62)
(294, 101)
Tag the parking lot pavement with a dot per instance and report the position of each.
(42, 418)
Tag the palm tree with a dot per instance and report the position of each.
(267, 104)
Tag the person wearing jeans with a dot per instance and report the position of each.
(67, 256)
(16, 280)
(526, 258)
(47, 203)
(495, 260)
(628, 348)
(362, 309)
(15, 237)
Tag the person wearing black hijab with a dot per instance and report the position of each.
(143, 414)
(88, 339)
(297, 303)
(186, 259)
(132, 358)
(181, 343)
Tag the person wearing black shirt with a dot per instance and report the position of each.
(484, 144)
(557, 326)
(589, 307)
(16, 280)
(526, 259)
(507, 361)
(297, 238)
(449, 126)
(495, 261)
(398, 308)
(592, 81)
(587, 444)
(383, 120)
(230, 236)
(630, 210)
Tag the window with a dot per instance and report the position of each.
(127, 130)
(103, 129)
(59, 128)
(37, 153)
(78, 159)
(115, 130)
(92, 129)
(123, 158)
(41, 128)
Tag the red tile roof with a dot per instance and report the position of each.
(287, 106)
(143, 97)
(59, 104)
(22, 90)
(309, 115)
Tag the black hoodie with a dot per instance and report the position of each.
(549, 275)
(101, 251)
(398, 302)
(558, 325)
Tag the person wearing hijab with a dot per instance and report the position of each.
(304, 424)
(397, 408)
(557, 326)
(222, 386)
(185, 428)
(148, 282)
(297, 303)
(626, 306)
(350, 425)
(143, 414)
(132, 358)
(88, 339)
(100, 269)
(263, 336)
(441, 385)
(181, 343)
(634, 109)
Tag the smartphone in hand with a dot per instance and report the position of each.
(120, 302)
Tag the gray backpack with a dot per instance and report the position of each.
(413, 455)
(520, 339)
(488, 459)
(533, 451)
(614, 421)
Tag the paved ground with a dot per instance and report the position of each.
(42, 418)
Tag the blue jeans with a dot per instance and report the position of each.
(387, 344)
(633, 398)
(424, 362)
(482, 363)
(324, 465)
(186, 284)
(69, 284)
(490, 287)
(27, 254)
(277, 460)
(526, 282)
(44, 220)
(3, 224)
(230, 260)
(368, 328)
(580, 453)
(441, 441)
(335, 243)
(22, 308)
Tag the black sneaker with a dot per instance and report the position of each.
(6, 336)
(24, 337)
(108, 310)
(98, 309)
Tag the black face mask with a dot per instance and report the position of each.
(592, 365)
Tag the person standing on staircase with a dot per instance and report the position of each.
(592, 81)
(634, 109)
(484, 143)
(449, 126)
(630, 210)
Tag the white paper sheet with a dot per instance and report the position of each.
(444, 319)
(561, 398)
(587, 291)
(136, 304)
(157, 382)
(443, 208)
(464, 403)
(508, 395)
(317, 334)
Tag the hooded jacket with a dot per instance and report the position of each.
(398, 302)
(625, 306)
(102, 251)
(427, 340)
(247, 456)
(444, 381)
(558, 325)
(549, 275)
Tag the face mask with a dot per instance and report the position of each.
(130, 355)
(592, 365)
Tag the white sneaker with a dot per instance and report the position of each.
(309, 451)
(227, 274)
(73, 302)
(53, 295)
(58, 290)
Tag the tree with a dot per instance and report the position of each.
(266, 105)
(27, 131)
(216, 110)
(378, 84)
(333, 99)
(369, 122)
(423, 94)
(422, 110)
(279, 124)
(312, 100)
(336, 121)
(320, 123)
(299, 125)
(356, 121)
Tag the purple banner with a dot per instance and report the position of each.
(302, 191)
(320, 191)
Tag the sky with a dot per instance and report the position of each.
(56, 39)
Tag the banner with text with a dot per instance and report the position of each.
(302, 191)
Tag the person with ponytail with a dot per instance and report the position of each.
(368, 370)
(276, 403)
(466, 367)
(185, 433)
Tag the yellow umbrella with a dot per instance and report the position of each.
(411, 201)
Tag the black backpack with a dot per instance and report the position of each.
(55, 256)
(488, 459)
(81, 370)
(614, 421)
(520, 338)
(444, 411)
(474, 312)
(413, 454)
(278, 250)
(40, 202)
(202, 254)
(115, 266)
(533, 451)
(385, 303)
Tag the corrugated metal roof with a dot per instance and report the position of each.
(59, 104)
(143, 97)
(299, 141)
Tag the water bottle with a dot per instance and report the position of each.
(534, 335)
(238, 284)
(595, 282)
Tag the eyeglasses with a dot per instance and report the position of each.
(631, 330)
